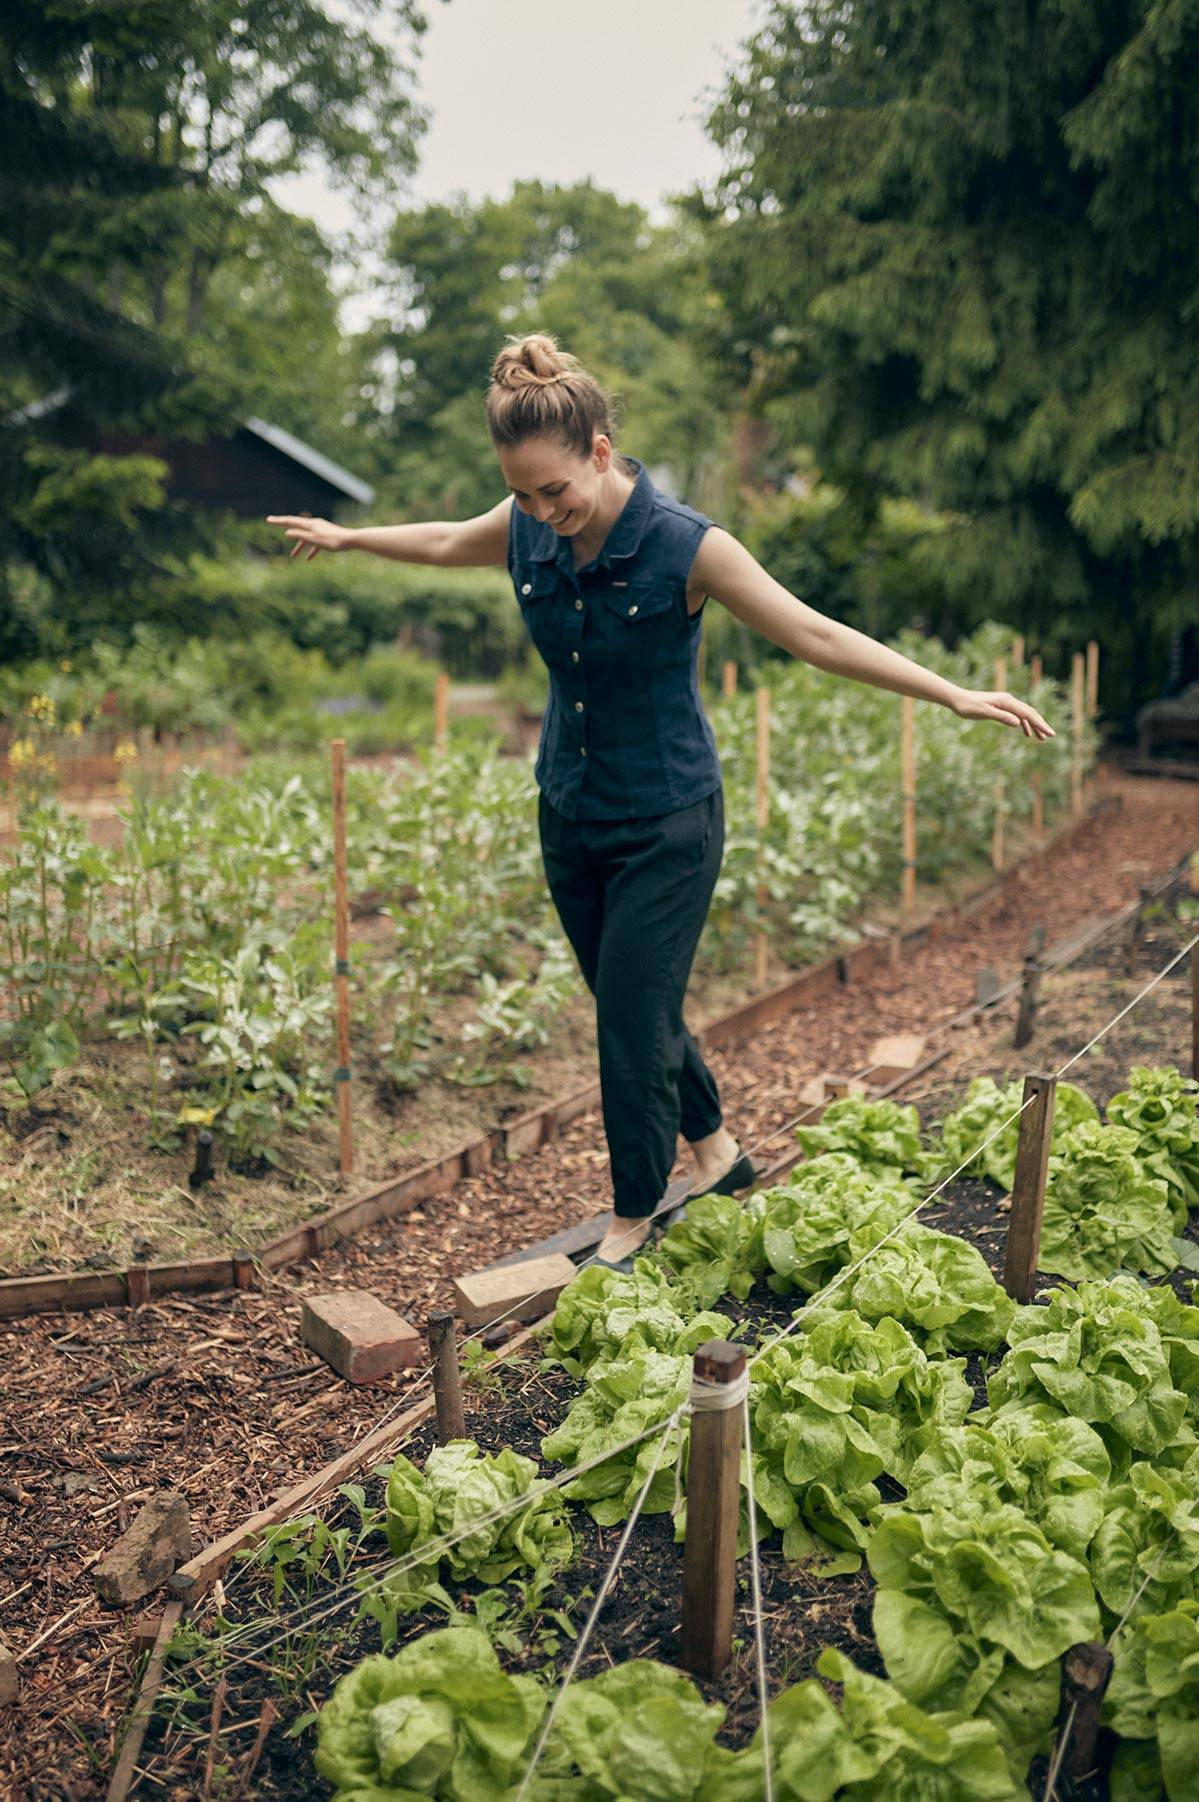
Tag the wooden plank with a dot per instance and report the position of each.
(713, 1499)
(576, 1241)
(515, 1291)
(1028, 1189)
(69, 1291)
(126, 1765)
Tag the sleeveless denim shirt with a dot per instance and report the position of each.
(624, 734)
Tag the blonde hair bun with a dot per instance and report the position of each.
(532, 362)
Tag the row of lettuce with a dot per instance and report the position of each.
(1065, 1509)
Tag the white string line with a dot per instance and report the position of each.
(1063, 1739)
(842, 1276)
(304, 1615)
(601, 1597)
(755, 1578)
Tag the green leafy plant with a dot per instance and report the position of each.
(937, 1285)
(1095, 1352)
(439, 1718)
(455, 1497)
(1103, 1210)
(604, 1314)
(1161, 1106)
(1153, 1704)
(882, 1136)
(829, 1213)
(963, 1132)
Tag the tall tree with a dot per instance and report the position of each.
(618, 292)
(958, 246)
(138, 138)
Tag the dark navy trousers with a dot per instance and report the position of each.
(633, 896)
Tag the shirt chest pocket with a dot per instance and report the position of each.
(638, 602)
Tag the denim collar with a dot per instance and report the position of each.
(624, 538)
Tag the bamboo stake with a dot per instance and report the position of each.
(1000, 784)
(447, 1380)
(728, 680)
(713, 1497)
(908, 778)
(763, 818)
(441, 710)
(1092, 678)
(1038, 776)
(341, 968)
(1077, 705)
(1028, 1188)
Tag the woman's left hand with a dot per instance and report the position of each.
(997, 704)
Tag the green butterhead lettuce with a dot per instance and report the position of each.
(882, 1136)
(460, 1485)
(1161, 1106)
(1103, 1209)
(985, 1107)
(600, 1310)
(1146, 1550)
(1054, 1469)
(440, 1718)
(826, 1215)
(1096, 1353)
(1153, 1704)
(639, 1732)
(623, 1397)
(937, 1285)
(717, 1249)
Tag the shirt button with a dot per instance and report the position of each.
(527, 589)
(578, 706)
(578, 606)
(574, 656)
(633, 608)
(582, 750)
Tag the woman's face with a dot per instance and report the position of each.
(554, 484)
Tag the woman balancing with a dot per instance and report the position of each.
(611, 576)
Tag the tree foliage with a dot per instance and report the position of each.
(959, 253)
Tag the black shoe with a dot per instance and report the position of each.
(739, 1175)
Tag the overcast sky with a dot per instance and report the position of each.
(614, 89)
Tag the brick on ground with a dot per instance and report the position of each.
(9, 1683)
(142, 1559)
(894, 1056)
(826, 1087)
(360, 1336)
(520, 1291)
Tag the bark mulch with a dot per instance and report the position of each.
(215, 1396)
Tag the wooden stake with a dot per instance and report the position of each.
(447, 1380)
(441, 710)
(341, 968)
(1000, 785)
(763, 817)
(1028, 1189)
(713, 1498)
(1086, 1673)
(728, 680)
(1194, 963)
(1018, 651)
(908, 780)
(1076, 729)
(1092, 679)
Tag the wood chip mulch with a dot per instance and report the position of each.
(216, 1397)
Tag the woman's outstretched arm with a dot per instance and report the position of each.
(475, 543)
(728, 573)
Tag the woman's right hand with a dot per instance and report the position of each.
(317, 534)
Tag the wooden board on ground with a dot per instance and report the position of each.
(514, 1291)
(895, 1055)
(579, 1240)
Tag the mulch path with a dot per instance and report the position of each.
(215, 1396)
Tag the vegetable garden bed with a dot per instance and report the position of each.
(930, 1318)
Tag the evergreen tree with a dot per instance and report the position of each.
(958, 246)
